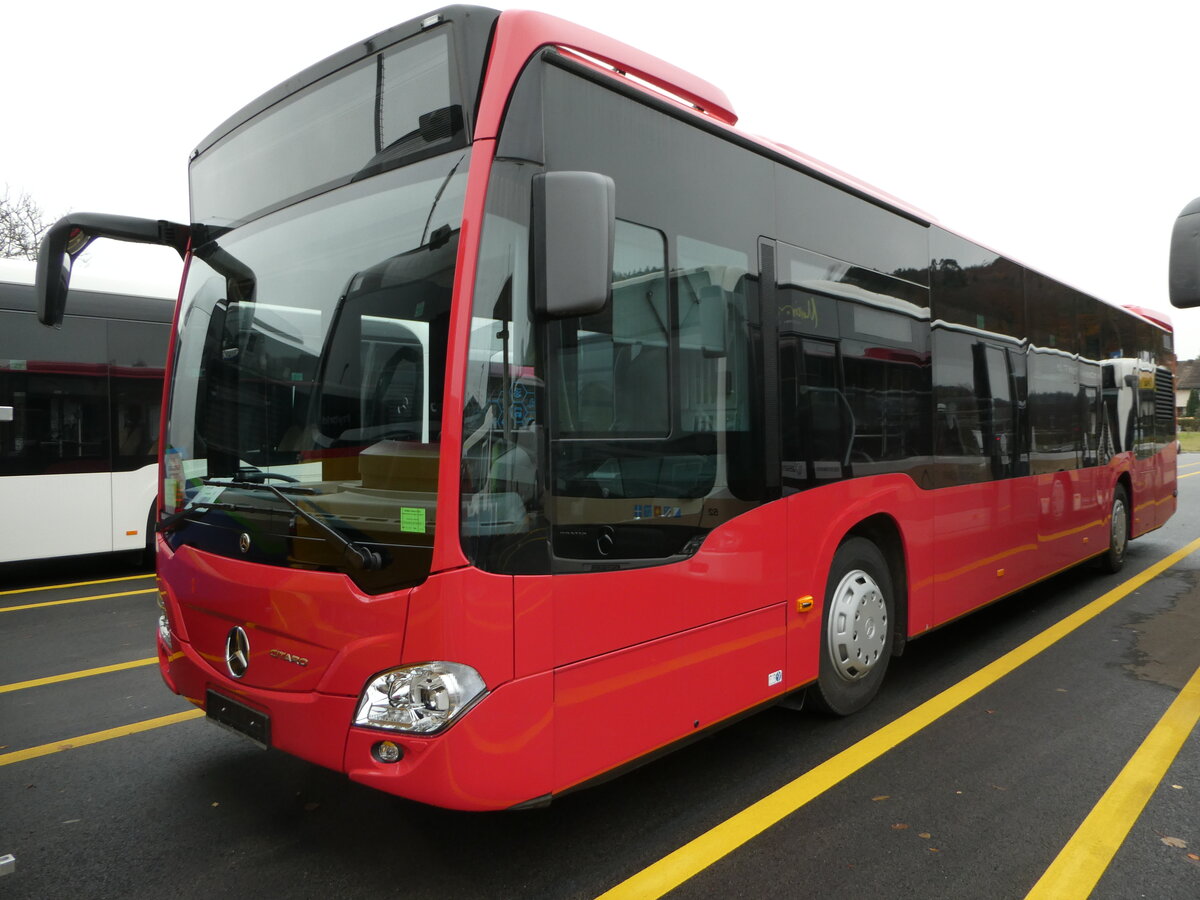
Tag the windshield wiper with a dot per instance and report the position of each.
(437, 197)
(362, 556)
(171, 521)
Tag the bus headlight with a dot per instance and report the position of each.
(164, 633)
(419, 699)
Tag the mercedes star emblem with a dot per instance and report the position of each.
(244, 543)
(237, 652)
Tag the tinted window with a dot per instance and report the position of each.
(830, 221)
(615, 363)
(1052, 316)
(976, 288)
(504, 524)
(652, 436)
(1055, 413)
(659, 442)
(136, 353)
(669, 174)
(959, 440)
(385, 110)
(56, 381)
(861, 403)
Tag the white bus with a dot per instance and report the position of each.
(79, 419)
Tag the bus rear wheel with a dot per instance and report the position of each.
(856, 629)
(1113, 558)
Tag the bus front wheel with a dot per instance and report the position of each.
(1118, 532)
(856, 629)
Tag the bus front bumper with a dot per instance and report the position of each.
(498, 755)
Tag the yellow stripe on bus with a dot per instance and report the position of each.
(70, 676)
(51, 587)
(694, 857)
(75, 600)
(1077, 869)
(97, 737)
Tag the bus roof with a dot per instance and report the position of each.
(22, 271)
(111, 298)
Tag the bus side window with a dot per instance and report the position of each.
(59, 394)
(615, 364)
(714, 291)
(958, 422)
(816, 419)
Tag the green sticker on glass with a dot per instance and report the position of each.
(412, 519)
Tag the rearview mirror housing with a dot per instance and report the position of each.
(574, 234)
(66, 240)
(1184, 282)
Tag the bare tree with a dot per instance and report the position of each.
(21, 226)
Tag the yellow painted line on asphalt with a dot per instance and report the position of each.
(97, 737)
(697, 855)
(4, 609)
(83, 673)
(1188, 475)
(1077, 869)
(51, 587)
(1189, 465)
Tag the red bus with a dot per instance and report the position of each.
(526, 419)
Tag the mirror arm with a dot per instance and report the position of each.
(67, 238)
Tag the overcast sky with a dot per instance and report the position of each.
(1064, 134)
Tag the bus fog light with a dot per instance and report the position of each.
(388, 752)
(420, 699)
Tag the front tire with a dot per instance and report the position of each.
(856, 629)
(1113, 559)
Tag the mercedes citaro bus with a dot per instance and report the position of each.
(526, 418)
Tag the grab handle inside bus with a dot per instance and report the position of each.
(575, 226)
(1185, 258)
(67, 238)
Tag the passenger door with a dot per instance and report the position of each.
(666, 601)
(816, 422)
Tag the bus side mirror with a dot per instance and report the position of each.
(574, 234)
(1185, 258)
(66, 240)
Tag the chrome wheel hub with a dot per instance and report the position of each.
(857, 625)
(1120, 528)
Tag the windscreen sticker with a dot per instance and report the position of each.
(173, 479)
(651, 511)
(207, 494)
(412, 519)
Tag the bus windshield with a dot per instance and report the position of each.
(311, 356)
(387, 110)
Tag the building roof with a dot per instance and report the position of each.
(1187, 374)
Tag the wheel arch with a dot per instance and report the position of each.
(1125, 480)
(884, 532)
